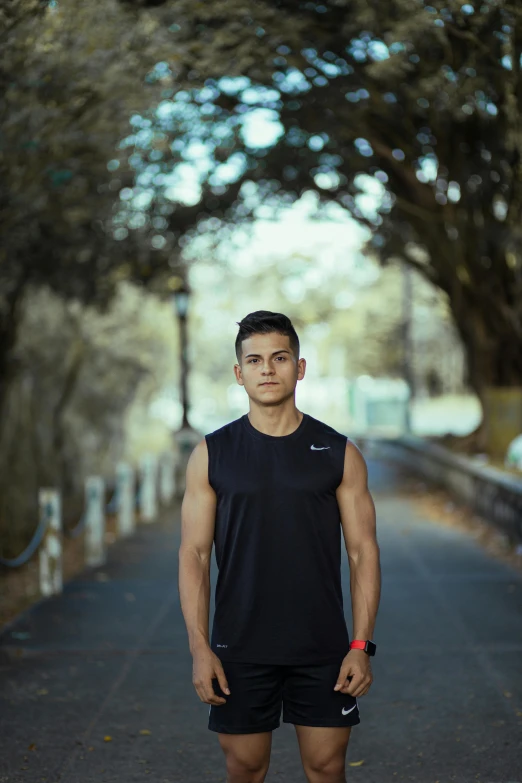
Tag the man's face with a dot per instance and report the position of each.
(269, 370)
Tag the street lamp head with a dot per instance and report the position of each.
(181, 300)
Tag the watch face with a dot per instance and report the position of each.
(371, 647)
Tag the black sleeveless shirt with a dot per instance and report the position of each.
(278, 544)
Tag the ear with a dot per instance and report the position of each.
(238, 374)
(301, 369)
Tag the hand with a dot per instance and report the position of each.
(206, 666)
(355, 675)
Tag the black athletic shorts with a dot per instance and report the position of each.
(258, 691)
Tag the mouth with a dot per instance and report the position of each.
(268, 383)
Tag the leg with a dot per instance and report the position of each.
(323, 752)
(247, 756)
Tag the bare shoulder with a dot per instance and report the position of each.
(355, 468)
(200, 451)
(197, 466)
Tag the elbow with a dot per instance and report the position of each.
(365, 551)
(194, 555)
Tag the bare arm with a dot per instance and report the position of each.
(197, 534)
(359, 529)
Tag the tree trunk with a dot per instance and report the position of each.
(77, 357)
(495, 374)
(10, 308)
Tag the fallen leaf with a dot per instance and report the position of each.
(145, 731)
(356, 763)
(32, 746)
(42, 692)
(107, 738)
(507, 694)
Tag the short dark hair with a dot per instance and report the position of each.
(264, 322)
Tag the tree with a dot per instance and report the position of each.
(417, 103)
(71, 74)
(80, 376)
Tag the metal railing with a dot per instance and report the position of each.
(142, 490)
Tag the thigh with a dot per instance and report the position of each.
(254, 703)
(309, 698)
(323, 751)
(247, 754)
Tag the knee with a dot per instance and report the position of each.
(241, 770)
(326, 770)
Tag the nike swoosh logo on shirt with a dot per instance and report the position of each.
(319, 448)
(350, 710)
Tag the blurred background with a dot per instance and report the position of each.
(357, 168)
(167, 167)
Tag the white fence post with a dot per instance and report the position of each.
(167, 482)
(95, 522)
(50, 552)
(125, 488)
(148, 488)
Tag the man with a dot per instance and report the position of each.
(273, 490)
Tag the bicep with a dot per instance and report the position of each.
(356, 505)
(198, 509)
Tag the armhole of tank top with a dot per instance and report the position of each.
(210, 460)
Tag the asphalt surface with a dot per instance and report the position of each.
(95, 685)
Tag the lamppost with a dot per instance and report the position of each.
(407, 342)
(181, 301)
(186, 437)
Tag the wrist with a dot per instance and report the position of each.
(365, 645)
(198, 645)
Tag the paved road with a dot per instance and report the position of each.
(109, 658)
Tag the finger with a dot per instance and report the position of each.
(367, 688)
(359, 687)
(221, 678)
(207, 695)
(351, 687)
(341, 680)
(212, 698)
(217, 701)
(212, 693)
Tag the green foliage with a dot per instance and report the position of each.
(405, 113)
(82, 380)
(72, 74)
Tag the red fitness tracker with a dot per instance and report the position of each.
(368, 646)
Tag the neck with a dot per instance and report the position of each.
(275, 420)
